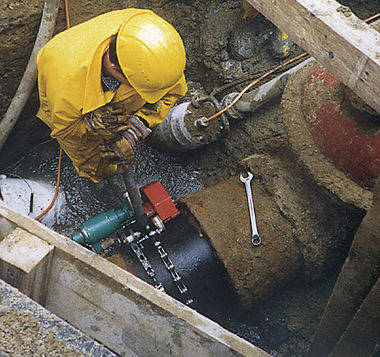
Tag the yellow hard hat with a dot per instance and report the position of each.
(151, 55)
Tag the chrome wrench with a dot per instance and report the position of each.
(256, 239)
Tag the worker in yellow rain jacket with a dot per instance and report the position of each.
(105, 83)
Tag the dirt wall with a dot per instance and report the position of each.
(222, 46)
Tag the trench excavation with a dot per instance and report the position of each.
(310, 198)
(192, 255)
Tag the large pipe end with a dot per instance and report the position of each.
(179, 132)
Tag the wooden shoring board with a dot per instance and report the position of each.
(333, 35)
(355, 281)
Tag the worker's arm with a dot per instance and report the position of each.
(138, 125)
(155, 114)
(120, 133)
(62, 117)
(60, 92)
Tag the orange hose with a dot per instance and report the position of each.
(56, 188)
(372, 17)
(253, 83)
(60, 149)
(67, 14)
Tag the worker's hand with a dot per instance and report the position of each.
(121, 150)
(136, 130)
(108, 122)
(118, 152)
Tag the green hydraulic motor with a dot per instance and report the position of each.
(99, 227)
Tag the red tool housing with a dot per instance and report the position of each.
(157, 201)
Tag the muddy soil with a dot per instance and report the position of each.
(219, 51)
(27, 329)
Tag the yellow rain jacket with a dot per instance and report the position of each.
(69, 81)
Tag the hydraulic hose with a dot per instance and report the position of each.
(46, 210)
(45, 32)
(134, 196)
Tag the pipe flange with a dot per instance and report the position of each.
(233, 113)
(223, 118)
(198, 99)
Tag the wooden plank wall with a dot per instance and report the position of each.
(333, 35)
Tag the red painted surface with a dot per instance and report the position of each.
(157, 200)
(321, 74)
(338, 136)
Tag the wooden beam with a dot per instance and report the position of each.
(333, 35)
(25, 262)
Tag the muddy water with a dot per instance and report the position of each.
(83, 198)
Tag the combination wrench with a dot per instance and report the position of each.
(256, 239)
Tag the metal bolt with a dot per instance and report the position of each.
(201, 122)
